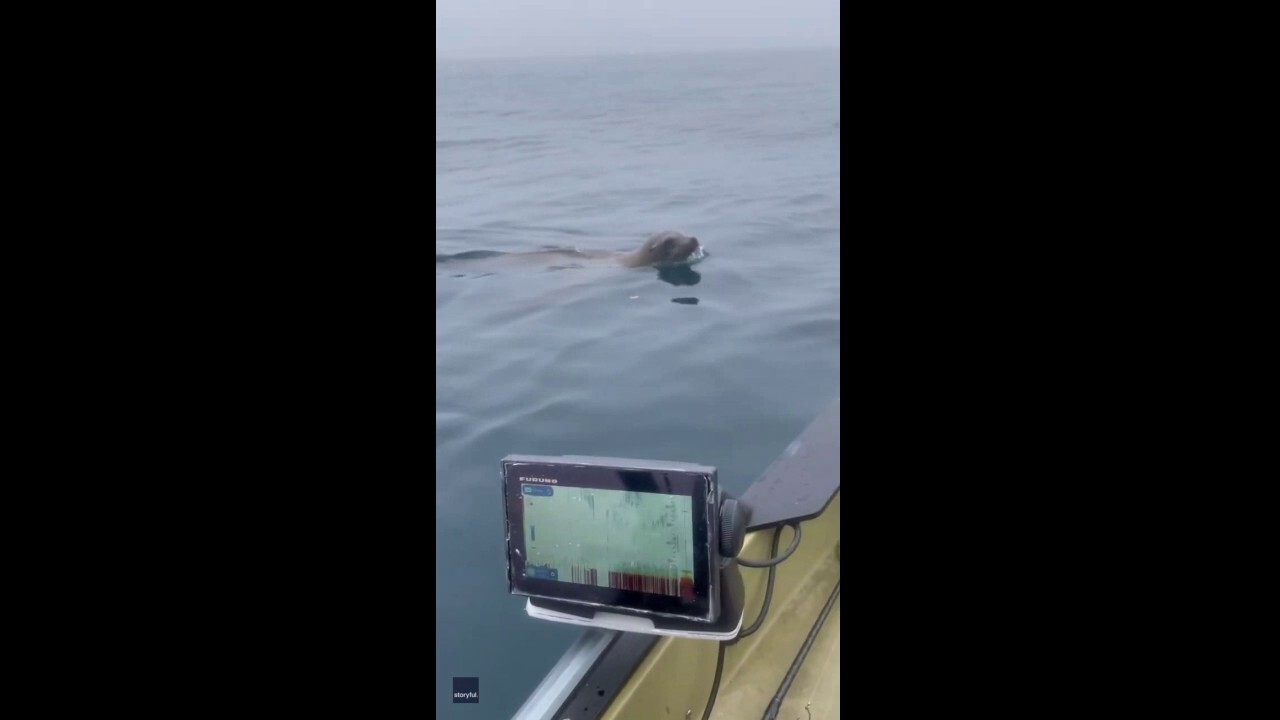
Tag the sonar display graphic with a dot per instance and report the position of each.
(610, 538)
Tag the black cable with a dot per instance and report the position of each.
(795, 543)
(772, 564)
(775, 705)
(768, 589)
(715, 686)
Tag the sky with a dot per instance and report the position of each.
(538, 28)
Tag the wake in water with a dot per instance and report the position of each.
(485, 263)
(485, 254)
(663, 250)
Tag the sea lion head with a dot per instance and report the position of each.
(669, 248)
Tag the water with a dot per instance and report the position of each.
(741, 150)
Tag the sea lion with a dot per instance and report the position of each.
(662, 250)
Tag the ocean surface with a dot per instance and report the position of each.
(723, 363)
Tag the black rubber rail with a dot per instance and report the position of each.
(775, 705)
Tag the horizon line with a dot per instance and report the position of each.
(636, 53)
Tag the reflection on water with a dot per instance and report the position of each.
(679, 275)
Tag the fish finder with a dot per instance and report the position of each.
(634, 545)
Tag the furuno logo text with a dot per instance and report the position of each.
(539, 480)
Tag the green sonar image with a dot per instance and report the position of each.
(610, 538)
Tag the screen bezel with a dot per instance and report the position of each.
(696, 484)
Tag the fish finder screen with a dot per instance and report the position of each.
(610, 538)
